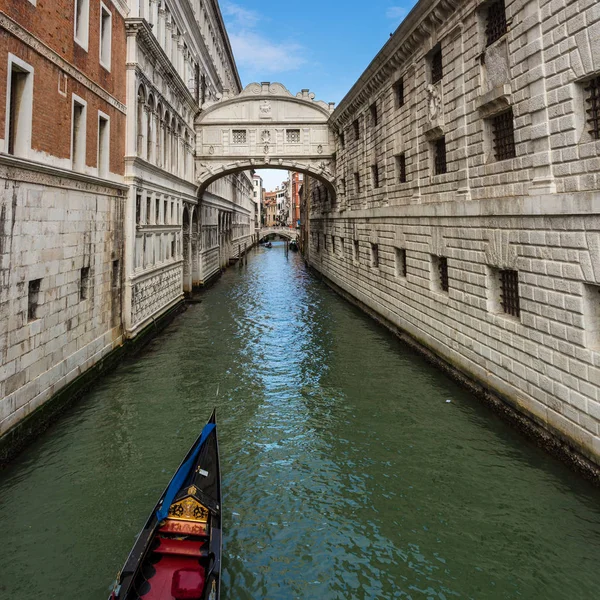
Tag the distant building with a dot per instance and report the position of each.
(257, 195)
(295, 182)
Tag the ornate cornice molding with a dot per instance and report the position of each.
(421, 23)
(49, 54)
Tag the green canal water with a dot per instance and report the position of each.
(351, 468)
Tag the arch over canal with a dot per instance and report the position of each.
(286, 232)
(265, 126)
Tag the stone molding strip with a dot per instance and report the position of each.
(13, 167)
(46, 52)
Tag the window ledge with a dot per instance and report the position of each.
(495, 101)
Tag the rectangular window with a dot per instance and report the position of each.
(343, 185)
(593, 106)
(333, 243)
(401, 167)
(103, 145)
(504, 135)
(20, 109)
(342, 139)
(591, 315)
(138, 209)
(495, 26)
(356, 126)
(357, 183)
(342, 241)
(440, 273)
(292, 136)
(373, 111)
(84, 282)
(239, 136)
(509, 292)
(115, 278)
(399, 92)
(356, 251)
(374, 255)
(439, 156)
(375, 176)
(325, 242)
(148, 210)
(82, 22)
(400, 262)
(78, 135)
(157, 211)
(33, 299)
(436, 65)
(105, 36)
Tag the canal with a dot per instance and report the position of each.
(352, 469)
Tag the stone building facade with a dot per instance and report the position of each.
(467, 211)
(62, 195)
(178, 57)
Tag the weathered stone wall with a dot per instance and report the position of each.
(50, 229)
(536, 214)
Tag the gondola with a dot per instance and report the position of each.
(177, 555)
(268, 245)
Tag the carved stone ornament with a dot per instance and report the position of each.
(265, 136)
(266, 148)
(434, 102)
(320, 149)
(264, 110)
(211, 150)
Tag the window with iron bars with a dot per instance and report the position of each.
(239, 136)
(375, 255)
(495, 26)
(342, 140)
(437, 71)
(399, 92)
(440, 273)
(401, 167)
(509, 292)
(292, 136)
(356, 126)
(333, 244)
(504, 135)
(373, 109)
(439, 160)
(375, 175)
(356, 183)
(593, 109)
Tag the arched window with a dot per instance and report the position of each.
(150, 136)
(141, 101)
(159, 136)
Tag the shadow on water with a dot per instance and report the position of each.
(346, 471)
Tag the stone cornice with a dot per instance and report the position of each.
(49, 54)
(143, 31)
(9, 164)
(121, 6)
(424, 19)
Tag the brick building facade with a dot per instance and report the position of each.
(468, 204)
(62, 196)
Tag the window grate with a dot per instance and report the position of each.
(239, 136)
(443, 270)
(504, 135)
(342, 140)
(437, 71)
(509, 286)
(375, 174)
(496, 22)
(375, 255)
(356, 129)
(401, 262)
(399, 92)
(401, 166)
(593, 110)
(356, 183)
(440, 156)
(373, 109)
(292, 136)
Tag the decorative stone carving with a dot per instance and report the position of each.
(265, 136)
(499, 252)
(151, 294)
(265, 110)
(434, 102)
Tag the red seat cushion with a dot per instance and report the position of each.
(187, 584)
(182, 547)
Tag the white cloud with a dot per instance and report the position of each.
(253, 50)
(257, 53)
(395, 12)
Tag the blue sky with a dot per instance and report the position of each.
(321, 45)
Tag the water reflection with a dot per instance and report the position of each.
(346, 472)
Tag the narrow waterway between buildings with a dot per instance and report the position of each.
(352, 469)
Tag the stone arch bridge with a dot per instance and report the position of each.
(265, 126)
(285, 232)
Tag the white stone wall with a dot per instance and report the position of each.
(51, 227)
(537, 213)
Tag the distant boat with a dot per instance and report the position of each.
(177, 554)
(294, 245)
(268, 245)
